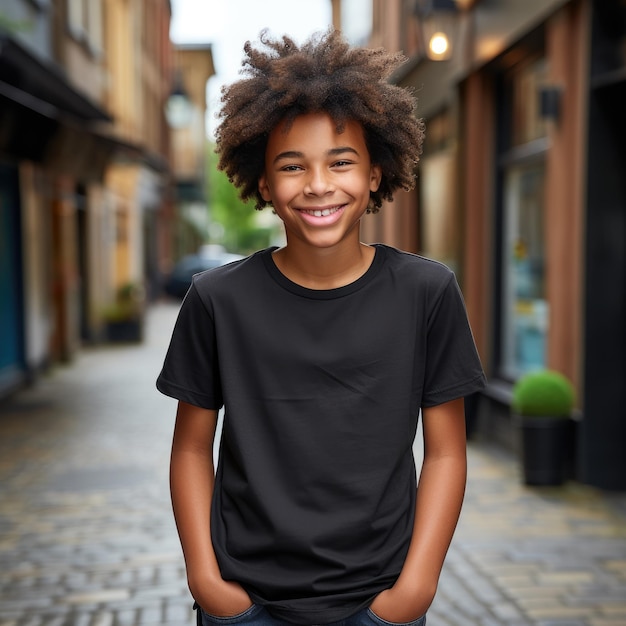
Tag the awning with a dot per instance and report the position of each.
(45, 81)
(27, 124)
(44, 119)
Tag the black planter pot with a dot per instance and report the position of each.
(545, 450)
(124, 331)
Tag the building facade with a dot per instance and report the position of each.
(193, 67)
(520, 190)
(84, 170)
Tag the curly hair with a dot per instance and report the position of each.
(284, 80)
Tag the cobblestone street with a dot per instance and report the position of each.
(87, 536)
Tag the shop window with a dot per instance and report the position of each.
(523, 308)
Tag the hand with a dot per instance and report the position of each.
(221, 598)
(399, 607)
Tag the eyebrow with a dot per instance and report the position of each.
(294, 154)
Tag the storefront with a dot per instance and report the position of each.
(552, 244)
(48, 149)
(521, 190)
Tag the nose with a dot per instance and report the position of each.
(318, 182)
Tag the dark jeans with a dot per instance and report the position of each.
(257, 615)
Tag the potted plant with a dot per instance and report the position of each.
(124, 317)
(543, 402)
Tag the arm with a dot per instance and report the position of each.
(439, 499)
(192, 483)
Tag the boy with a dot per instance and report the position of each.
(322, 353)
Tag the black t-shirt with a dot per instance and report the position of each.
(315, 487)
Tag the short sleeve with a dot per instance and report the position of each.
(191, 371)
(453, 368)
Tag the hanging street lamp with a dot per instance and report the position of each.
(438, 24)
(178, 106)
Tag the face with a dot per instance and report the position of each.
(319, 180)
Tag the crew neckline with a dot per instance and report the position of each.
(323, 294)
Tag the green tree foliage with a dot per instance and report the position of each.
(12, 26)
(238, 220)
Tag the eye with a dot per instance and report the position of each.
(290, 168)
(342, 163)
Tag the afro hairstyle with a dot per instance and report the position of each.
(282, 80)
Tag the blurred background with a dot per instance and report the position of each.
(109, 191)
(110, 200)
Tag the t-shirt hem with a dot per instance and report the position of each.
(308, 616)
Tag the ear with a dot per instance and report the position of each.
(376, 174)
(264, 189)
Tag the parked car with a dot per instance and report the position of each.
(208, 257)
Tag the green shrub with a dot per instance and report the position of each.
(128, 305)
(545, 392)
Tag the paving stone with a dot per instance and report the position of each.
(33, 621)
(103, 619)
(565, 622)
(97, 597)
(81, 619)
(150, 615)
(564, 578)
(618, 609)
(126, 617)
(558, 612)
(178, 613)
(506, 612)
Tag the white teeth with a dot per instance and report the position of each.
(322, 212)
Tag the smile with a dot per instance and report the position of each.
(321, 212)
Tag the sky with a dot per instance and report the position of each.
(228, 24)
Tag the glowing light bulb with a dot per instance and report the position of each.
(439, 44)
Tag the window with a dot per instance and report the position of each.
(523, 308)
(40, 5)
(85, 23)
(94, 26)
(76, 18)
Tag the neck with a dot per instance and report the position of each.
(324, 268)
